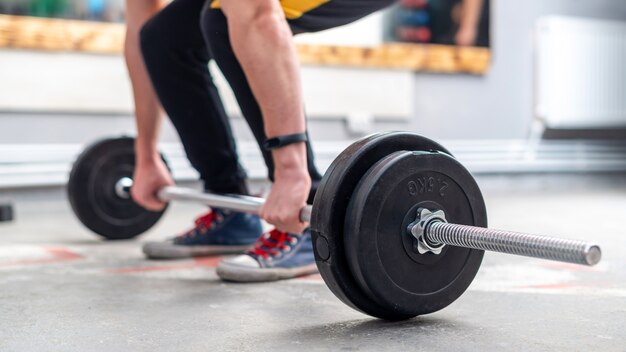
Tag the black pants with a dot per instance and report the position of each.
(177, 45)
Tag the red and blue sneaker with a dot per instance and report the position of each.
(215, 233)
(275, 256)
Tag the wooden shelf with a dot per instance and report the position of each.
(17, 32)
(58, 34)
(432, 58)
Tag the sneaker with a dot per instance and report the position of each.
(217, 232)
(276, 255)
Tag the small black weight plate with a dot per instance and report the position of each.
(329, 211)
(393, 275)
(91, 191)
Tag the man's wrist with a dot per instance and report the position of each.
(147, 160)
(146, 152)
(290, 160)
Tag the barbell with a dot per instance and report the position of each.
(399, 226)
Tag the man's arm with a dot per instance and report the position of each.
(262, 41)
(150, 172)
(468, 26)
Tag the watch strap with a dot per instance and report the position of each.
(281, 141)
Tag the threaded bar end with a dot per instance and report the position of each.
(528, 245)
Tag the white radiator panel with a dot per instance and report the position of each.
(580, 72)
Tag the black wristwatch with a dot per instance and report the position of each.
(281, 141)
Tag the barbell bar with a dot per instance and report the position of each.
(431, 230)
(244, 204)
(240, 203)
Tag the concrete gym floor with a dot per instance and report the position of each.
(62, 289)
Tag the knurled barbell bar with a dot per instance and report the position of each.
(399, 226)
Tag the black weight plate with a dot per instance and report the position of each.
(383, 203)
(91, 191)
(329, 211)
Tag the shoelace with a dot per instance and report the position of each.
(204, 222)
(272, 244)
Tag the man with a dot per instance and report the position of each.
(251, 42)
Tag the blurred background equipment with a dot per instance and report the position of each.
(92, 10)
(6, 212)
(449, 22)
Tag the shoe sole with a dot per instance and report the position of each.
(237, 273)
(158, 250)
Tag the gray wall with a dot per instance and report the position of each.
(495, 106)
(500, 104)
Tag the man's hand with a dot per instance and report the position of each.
(288, 196)
(283, 204)
(150, 176)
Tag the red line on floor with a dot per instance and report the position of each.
(63, 253)
(58, 255)
(209, 262)
(569, 267)
(312, 277)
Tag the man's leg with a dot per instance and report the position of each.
(277, 255)
(214, 27)
(177, 61)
